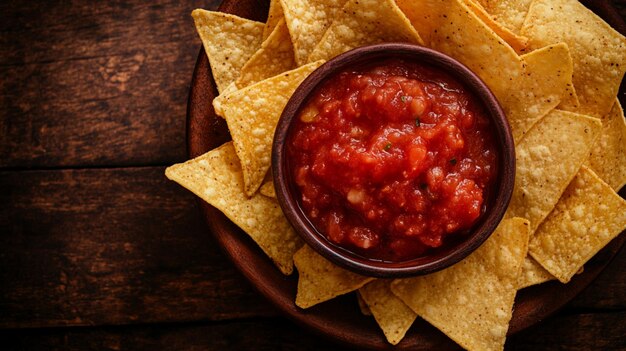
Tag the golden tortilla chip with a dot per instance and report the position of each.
(219, 100)
(517, 42)
(545, 82)
(319, 280)
(472, 301)
(252, 114)
(608, 155)
(392, 315)
(268, 190)
(451, 27)
(362, 305)
(510, 13)
(588, 216)
(548, 158)
(532, 274)
(365, 22)
(216, 177)
(229, 42)
(274, 16)
(597, 49)
(307, 21)
(274, 57)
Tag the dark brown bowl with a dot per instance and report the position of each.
(497, 204)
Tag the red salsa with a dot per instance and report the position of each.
(392, 160)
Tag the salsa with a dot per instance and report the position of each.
(392, 160)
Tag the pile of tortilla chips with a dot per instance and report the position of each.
(555, 68)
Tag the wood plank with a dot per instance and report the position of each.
(88, 84)
(111, 246)
(570, 332)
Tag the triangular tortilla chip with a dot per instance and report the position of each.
(598, 51)
(365, 22)
(268, 190)
(392, 315)
(273, 58)
(362, 305)
(229, 42)
(252, 114)
(545, 82)
(472, 301)
(608, 155)
(319, 280)
(216, 178)
(548, 158)
(307, 21)
(586, 218)
(275, 14)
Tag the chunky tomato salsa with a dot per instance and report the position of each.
(392, 160)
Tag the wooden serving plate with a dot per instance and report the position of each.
(340, 318)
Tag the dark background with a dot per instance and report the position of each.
(97, 249)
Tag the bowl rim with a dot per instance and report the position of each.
(487, 223)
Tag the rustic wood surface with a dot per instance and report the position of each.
(97, 249)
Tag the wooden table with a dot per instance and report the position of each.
(97, 249)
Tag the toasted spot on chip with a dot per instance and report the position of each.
(319, 280)
(307, 21)
(586, 218)
(532, 274)
(608, 155)
(362, 305)
(511, 13)
(216, 177)
(268, 190)
(392, 315)
(547, 159)
(546, 80)
(597, 49)
(274, 57)
(252, 114)
(365, 22)
(517, 42)
(274, 16)
(229, 42)
(472, 301)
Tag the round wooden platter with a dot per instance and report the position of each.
(340, 318)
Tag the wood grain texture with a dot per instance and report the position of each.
(88, 84)
(115, 246)
(280, 334)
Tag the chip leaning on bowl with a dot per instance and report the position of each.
(555, 68)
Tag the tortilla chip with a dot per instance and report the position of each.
(229, 42)
(274, 57)
(608, 155)
(216, 177)
(274, 16)
(362, 305)
(588, 216)
(252, 114)
(548, 158)
(597, 49)
(365, 22)
(392, 315)
(319, 280)
(307, 21)
(517, 42)
(510, 13)
(451, 27)
(545, 82)
(532, 274)
(472, 301)
(267, 189)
